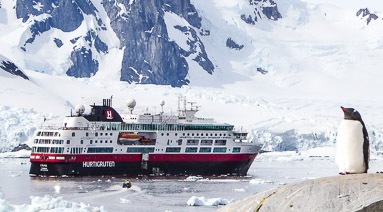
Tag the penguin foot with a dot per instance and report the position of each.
(342, 173)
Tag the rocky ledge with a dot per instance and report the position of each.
(357, 192)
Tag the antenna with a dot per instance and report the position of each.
(178, 107)
(185, 104)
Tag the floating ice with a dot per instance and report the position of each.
(57, 189)
(193, 178)
(202, 201)
(260, 181)
(124, 201)
(49, 203)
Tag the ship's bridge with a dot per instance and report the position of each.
(148, 118)
(75, 121)
(183, 116)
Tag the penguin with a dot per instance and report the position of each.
(352, 144)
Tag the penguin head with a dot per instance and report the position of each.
(351, 114)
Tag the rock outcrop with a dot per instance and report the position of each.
(357, 192)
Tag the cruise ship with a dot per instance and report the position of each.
(105, 143)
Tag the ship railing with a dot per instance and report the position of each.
(242, 140)
(52, 127)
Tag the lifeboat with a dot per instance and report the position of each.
(129, 137)
(145, 140)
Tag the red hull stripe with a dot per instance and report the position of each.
(59, 158)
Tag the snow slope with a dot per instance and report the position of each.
(318, 57)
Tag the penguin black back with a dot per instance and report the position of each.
(352, 114)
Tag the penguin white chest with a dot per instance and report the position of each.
(349, 147)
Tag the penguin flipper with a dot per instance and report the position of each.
(366, 152)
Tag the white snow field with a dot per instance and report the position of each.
(319, 56)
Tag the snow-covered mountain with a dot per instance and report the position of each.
(280, 69)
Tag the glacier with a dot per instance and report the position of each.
(281, 74)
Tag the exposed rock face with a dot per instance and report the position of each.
(262, 9)
(151, 53)
(65, 15)
(233, 45)
(150, 56)
(355, 192)
(11, 68)
(365, 14)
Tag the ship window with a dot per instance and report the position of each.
(101, 142)
(192, 142)
(95, 141)
(191, 149)
(96, 134)
(197, 134)
(100, 149)
(176, 134)
(220, 142)
(183, 134)
(219, 149)
(87, 134)
(167, 134)
(237, 149)
(82, 142)
(173, 149)
(101, 134)
(140, 149)
(91, 141)
(111, 134)
(205, 149)
(67, 141)
(206, 142)
(110, 141)
(73, 134)
(162, 134)
(43, 149)
(179, 141)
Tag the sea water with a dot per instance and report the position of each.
(19, 191)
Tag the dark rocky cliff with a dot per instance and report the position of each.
(150, 55)
(66, 15)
